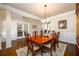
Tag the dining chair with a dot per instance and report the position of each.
(30, 45)
(27, 42)
(49, 48)
(34, 48)
(41, 33)
(54, 40)
(35, 33)
(57, 40)
(52, 44)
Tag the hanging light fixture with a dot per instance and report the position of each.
(45, 10)
(45, 17)
(45, 21)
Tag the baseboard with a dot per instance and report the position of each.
(67, 42)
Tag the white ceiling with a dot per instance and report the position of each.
(38, 9)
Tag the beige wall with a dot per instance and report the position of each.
(68, 34)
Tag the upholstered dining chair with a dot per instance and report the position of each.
(34, 48)
(27, 38)
(54, 39)
(31, 46)
(52, 45)
(49, 47)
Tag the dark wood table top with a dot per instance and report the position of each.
(40, 40)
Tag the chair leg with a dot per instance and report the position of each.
(51, 52)
(41, 53)
(57, 45)
(54, 47)
(41, 50)
(32, 53)
(28, 51)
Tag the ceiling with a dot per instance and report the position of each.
(38, 9)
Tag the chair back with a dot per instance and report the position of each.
(41, 33)
(28, 39)
(54, 36)
(58, 35)
(35, 34)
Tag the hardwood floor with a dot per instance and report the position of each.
(12, 51)
(70, 50)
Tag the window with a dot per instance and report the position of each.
(19, 30)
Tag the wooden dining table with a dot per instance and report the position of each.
(41, 41)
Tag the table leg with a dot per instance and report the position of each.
(41, 50)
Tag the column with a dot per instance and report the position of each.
(8, 28)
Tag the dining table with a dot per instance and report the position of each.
(41, 41)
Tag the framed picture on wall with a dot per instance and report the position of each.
(62, 24)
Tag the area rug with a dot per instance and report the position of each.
(59, 52)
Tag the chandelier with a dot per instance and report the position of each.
(45, 17)
(45, 10)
